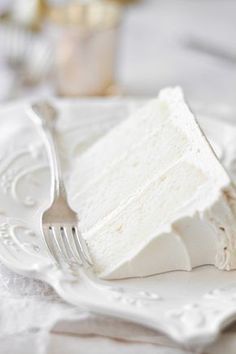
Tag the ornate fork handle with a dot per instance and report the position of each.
(45, 117)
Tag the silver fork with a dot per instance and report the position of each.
(59, 221)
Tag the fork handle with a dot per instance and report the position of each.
(57, 184)
(44, 116)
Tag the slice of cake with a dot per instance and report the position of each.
(152, 196)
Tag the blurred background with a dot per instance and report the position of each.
(78, 48)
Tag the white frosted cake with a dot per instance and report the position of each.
(152, 196)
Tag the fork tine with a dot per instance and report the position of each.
(60, 244)
(48, 237)
(81, 246)
(71, 245)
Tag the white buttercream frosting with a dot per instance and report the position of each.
(152, 196)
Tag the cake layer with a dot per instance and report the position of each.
(105, 153)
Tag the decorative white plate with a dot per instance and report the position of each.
(190, 307)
